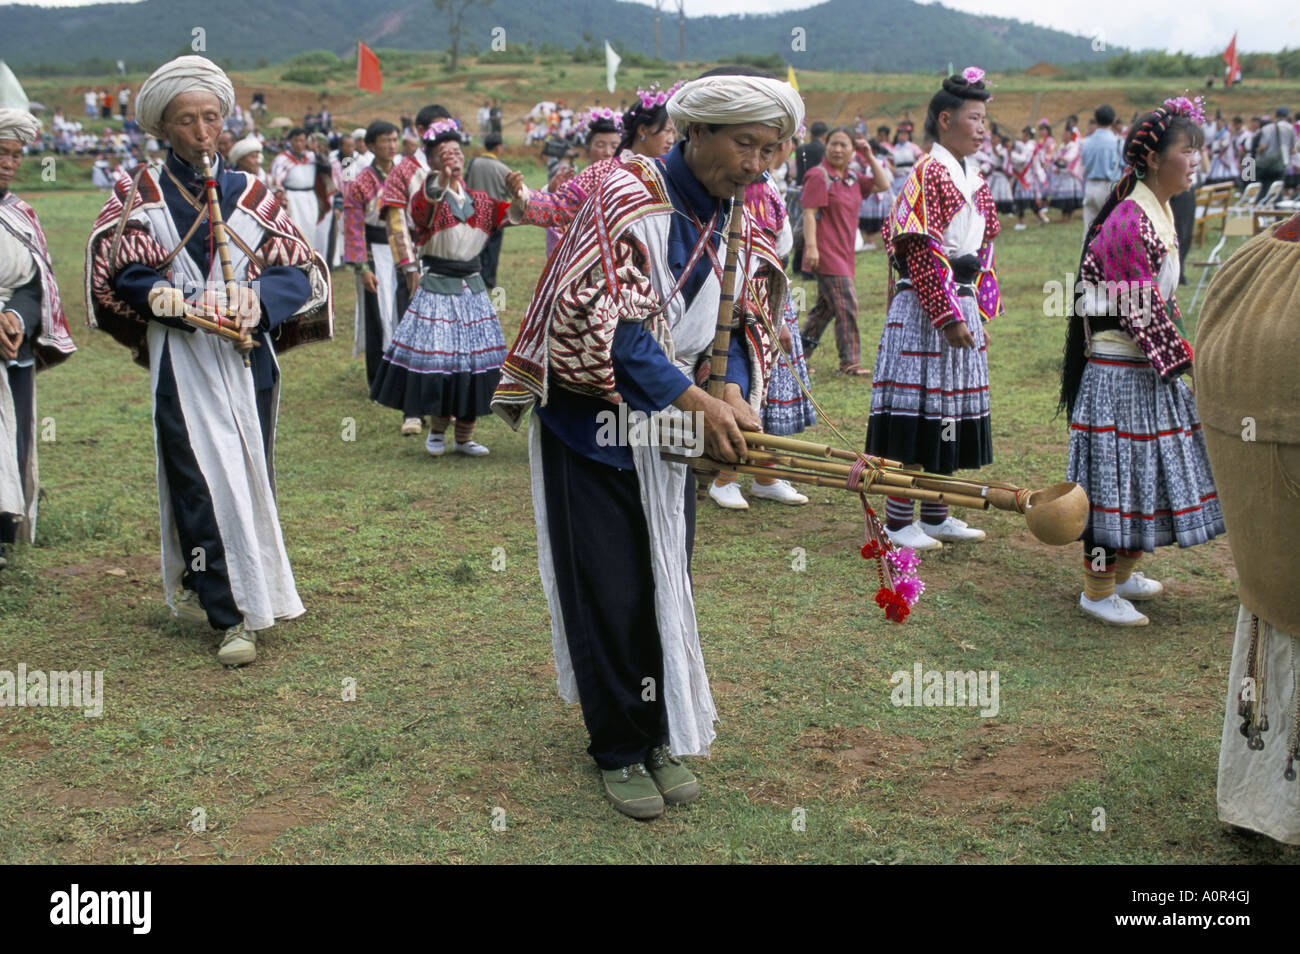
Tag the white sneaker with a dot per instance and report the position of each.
(436, 444)
(412, 426)
(913, 536)
(1138, 587)
(781, 491)
(1114, 610)
(471, 449)
(1021, 226)
(728, 496)
(952, 530)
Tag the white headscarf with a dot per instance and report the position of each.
(734, 100)
(19, 124)
(185, 74)
(241, 149)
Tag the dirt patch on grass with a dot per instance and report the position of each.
(140, 567)
(997, 768)
(33, 748)
(836, 762)
(861, 750)
(54, 793)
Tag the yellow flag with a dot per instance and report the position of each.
(789, 78)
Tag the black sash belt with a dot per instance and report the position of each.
(965, 273)
(450, 267)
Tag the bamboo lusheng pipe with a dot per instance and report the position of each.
(822, 458)
(177, 307)
(922, 479)
(887, 480)
(882, 478)
(223, 249)
(1056, 515)
(773, 442)
(825, 480)
(220, 328)
(722, 335)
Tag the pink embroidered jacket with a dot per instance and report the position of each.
(1127, 251)
(913, 235)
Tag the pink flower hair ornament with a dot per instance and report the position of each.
(973, 75)
(1193, 109)
(654, 96)
(606, 114)
(440, 126)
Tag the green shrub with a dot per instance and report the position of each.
(305, 75)
(323, 58)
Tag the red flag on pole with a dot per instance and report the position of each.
(1234, 65)
(368, 76)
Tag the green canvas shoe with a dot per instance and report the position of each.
(633, 791)
(189, 608)
(672, 778)
(238, 648)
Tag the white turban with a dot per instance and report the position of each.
(185, 74)
(243, 148)
(19, 124)
(735, 100)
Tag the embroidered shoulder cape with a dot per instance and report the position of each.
(1128, 251)
(107, 253)
(597, 277)
(54, 343)
(926, 205)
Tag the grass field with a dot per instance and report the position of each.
(456, 721)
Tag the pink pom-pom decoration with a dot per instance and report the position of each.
(910, 589)
(973, 75)
(904, 560)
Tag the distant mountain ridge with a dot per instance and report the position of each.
(874, 35)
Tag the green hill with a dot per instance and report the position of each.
(874, 35)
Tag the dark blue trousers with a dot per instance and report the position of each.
(191, 499)
(601, 551)
(22, 383)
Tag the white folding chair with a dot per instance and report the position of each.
(1235, 226)
(1249, 195)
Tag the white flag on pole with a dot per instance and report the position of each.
(612, 60)
(11, 91)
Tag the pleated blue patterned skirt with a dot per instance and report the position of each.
(445, 358)
(1137, 448)
(930, 401)
(787, 410)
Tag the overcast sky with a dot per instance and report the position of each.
(1196, 26)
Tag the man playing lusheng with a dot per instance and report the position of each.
(222, 552)
(625, 312)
